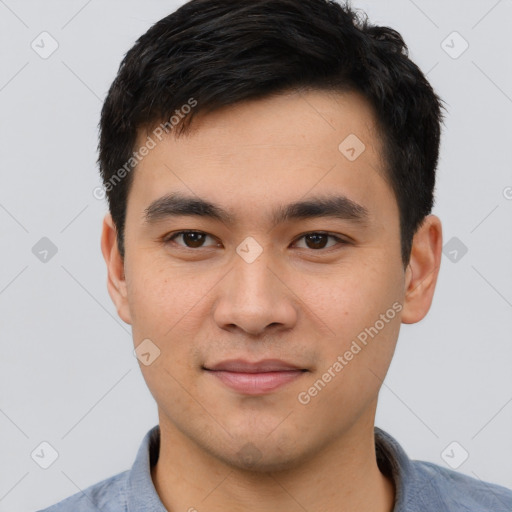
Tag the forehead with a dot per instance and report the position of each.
(274, 149)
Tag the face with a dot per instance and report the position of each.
(320, 287)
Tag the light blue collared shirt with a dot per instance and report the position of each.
(420, 486)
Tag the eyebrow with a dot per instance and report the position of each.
(337, 206)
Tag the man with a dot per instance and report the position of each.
(270, 168)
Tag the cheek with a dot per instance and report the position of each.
(352, 297)
(158, 295)
(360, 308)
(167, 309)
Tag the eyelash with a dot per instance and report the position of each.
(340, 241)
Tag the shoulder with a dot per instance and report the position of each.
(109, 495)
(461, 492)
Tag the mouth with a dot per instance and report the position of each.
(255, 378)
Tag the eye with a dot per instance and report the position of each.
(317, 240)
(191, 239)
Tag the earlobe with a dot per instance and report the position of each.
(423, 270)
(116, 282)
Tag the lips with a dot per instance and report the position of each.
(242, 366)
(256, 378)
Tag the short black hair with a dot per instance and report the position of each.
(214, 53)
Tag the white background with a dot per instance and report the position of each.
(67, 372)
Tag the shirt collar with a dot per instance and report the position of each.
(411, 494)
(141, 493)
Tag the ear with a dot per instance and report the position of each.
(116, 282)
(423, 269)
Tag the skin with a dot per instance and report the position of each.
(305, 305)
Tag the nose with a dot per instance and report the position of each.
(255, 298)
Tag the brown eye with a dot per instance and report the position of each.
(318, 240)
(190, 239)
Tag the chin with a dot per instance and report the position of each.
(269, 464)
(259, 457)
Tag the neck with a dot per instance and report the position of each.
(343, 476)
